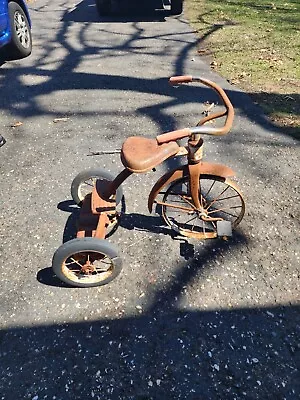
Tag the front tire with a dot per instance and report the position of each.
(21, 40)
(219, 198)
(87, 262)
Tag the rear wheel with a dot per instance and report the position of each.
(176, 7)
(85, 181)
(21, 41)
(87, 262)
(219, 198)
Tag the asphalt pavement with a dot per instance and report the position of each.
(185, 319)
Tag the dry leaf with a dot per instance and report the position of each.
(204, 51)
(16, 124)
(61, 119)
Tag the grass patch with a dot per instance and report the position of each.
(256, 46)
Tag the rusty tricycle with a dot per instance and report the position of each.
(197, 200)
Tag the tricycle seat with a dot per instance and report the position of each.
(140, 154)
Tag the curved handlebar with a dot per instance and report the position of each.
(229, 113)
(173, 135)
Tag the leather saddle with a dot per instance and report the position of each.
(139, 154)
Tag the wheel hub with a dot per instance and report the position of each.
(88, 268)
(21, 30)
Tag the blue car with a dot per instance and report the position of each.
(15, 29)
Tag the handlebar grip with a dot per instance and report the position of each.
(173, 135)
(176, 80)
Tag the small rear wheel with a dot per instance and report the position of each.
(85, 181)
(87, 262)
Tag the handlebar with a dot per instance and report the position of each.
(200, 128)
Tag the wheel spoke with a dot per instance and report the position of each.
(203, 226)
(76, 262)
(89, 184)
(209, 189)
(17, 23)
(227, 198)
(193, 226)
(179, 200)
(226, 212)
(192, 219)
(73, 262)
(173, 206)
(70, 263)
(105, 262)
(99, 270)
(215, 198)
(222, 209)
(189, 202)
(201, 199)
(223, 191)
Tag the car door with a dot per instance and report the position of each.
(3, 16)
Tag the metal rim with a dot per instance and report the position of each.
(21, 29)
(86, 186)
(220, 199)
(88, 267)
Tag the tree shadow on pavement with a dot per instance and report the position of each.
(66, 77)
(128, 221)
(141, 11)
(166, 349)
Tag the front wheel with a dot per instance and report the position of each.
(21, 41)
(87, 262)
(85, 181)
(219, 198)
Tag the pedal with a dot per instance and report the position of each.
(224, 228)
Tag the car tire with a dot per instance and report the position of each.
(176, 7)
(21, 40)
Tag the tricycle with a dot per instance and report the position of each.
(197, 200)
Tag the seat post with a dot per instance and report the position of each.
(119, 179)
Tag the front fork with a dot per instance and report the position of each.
(195, 188)
(194, 180)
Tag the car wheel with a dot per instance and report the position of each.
(21, 41)
(176, 7)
